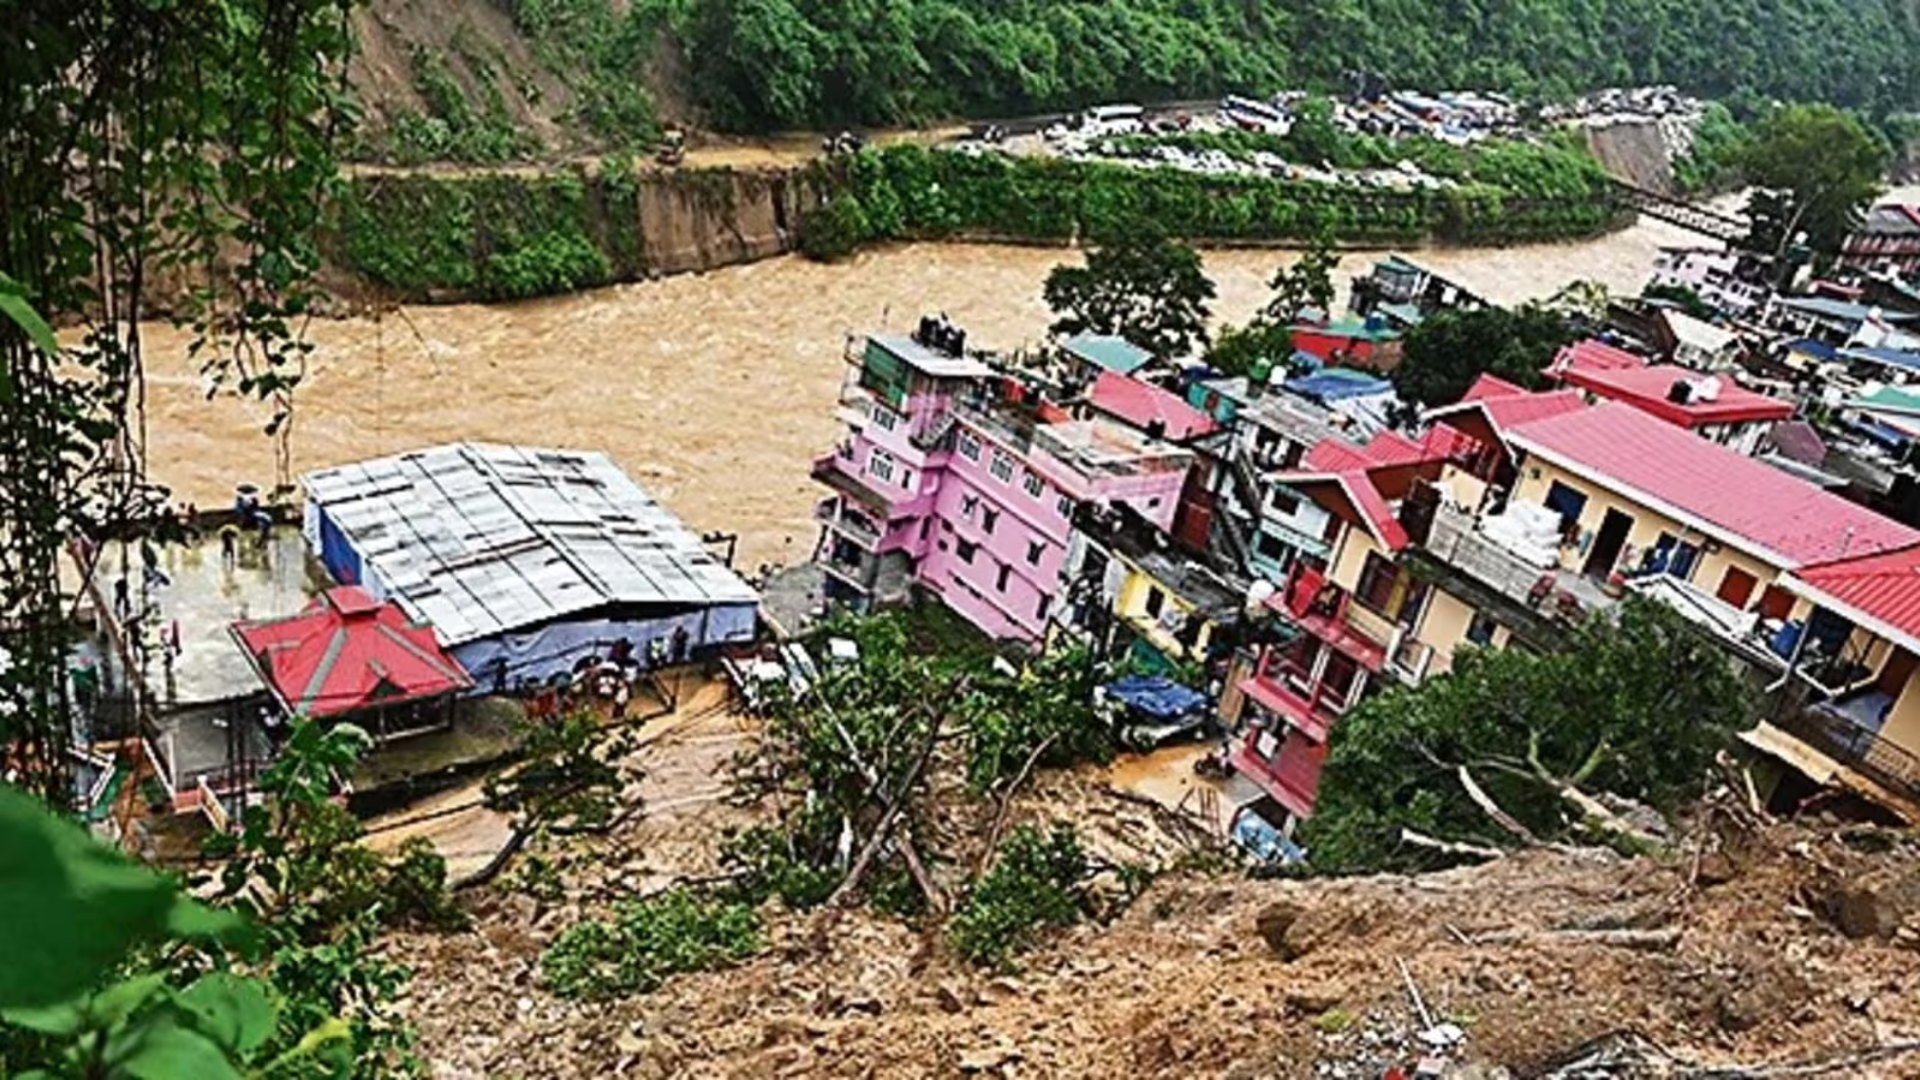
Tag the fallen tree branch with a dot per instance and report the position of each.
(1492, 809)
(896, 803)
(1450, 847)
(1006, 804)
(1846, 1063)
(515, 841)
(1638, 940)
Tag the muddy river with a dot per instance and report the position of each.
(713, 390)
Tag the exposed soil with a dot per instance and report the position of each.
(1738, 955)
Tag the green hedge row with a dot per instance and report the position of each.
(909, 192)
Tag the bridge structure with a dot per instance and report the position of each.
(1725, 228)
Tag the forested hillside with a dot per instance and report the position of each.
(803, 62)
(493, 80)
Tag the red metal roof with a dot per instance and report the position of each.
(1593, 355)
(1334, 454)
(1745, 502)
(347, 652)
(1488, 385)
(1646, 388)
(1140, 404)
(1884, 587)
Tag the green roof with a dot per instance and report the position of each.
(1888, 399)
(1353, 328)
(1116, 354)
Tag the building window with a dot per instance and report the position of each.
(1283, 502)
(1041, 611)
(1567, 502)
(881, 465)
(906, 479)
(1002, 468)
(965, 550)
(969, 446)
(1480, 629)
(1381, 589)
(1035, 486)
(1064, 507)
(1000, 582)
(988, 519)
(1035, 549)
(1156, 602)
(884, 417)
(926, 525)
(968, 504)
(1270, 547)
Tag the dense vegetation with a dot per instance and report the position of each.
(1444, 355)
(905, 192)
(760, 64)
(112, 974)
(1514, 746)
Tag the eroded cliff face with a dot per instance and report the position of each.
(694, 220)
(507, 234)
(1642, 152)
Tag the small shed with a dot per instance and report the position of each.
(349, 655)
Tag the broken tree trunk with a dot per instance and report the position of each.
(896, 804)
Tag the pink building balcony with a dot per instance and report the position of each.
(1311, 710)
(841, 475)
(1320, 608)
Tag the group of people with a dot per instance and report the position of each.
(608, 678)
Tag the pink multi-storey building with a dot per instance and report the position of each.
(963, 481)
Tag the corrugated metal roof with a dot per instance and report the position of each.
(1648, 388)
(479, 539)
(1739, 500)
(1487, 385)
(1141, 404)
(1112, 353)
(1884, 587)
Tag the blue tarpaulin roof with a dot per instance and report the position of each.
(1884, 434)
(1156, 695)
(1819, 350)
(1889, 357)
(1337, 384)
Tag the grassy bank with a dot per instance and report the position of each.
(907, 192)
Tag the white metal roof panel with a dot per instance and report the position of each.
(478, 539)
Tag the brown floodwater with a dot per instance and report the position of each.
(713, 390)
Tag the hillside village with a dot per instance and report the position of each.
(1388, 678)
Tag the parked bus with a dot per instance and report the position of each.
(1114, 120)
(1250, 115)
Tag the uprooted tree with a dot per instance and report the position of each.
(1513, 748)
(867, 768)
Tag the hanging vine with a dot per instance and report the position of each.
(179, 150)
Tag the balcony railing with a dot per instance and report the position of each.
(1887, 764)
(1456, 541)
(834, 514)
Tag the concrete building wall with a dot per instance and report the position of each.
(1903, 720)
(1443, 628)
(1537, 479)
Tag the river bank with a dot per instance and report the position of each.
(714, 390)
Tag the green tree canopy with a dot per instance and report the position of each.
(1819, 168)
(1634, 706)
(1443, 355)
(1143, 287)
